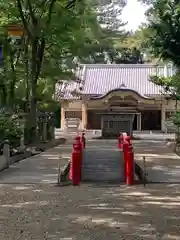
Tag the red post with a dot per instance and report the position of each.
(128, 139)
(78, 140)
(130, 167)
(76, 164)
(120, 141)
(83, 140)
(75, 168)
(126, 157)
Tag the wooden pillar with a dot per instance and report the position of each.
(84, 115)
(163, 117)
(63, 118)
(139, 121)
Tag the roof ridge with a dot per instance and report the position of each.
(125, 65)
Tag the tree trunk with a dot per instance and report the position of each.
(13, 80)
(3, 95)
(26, 68)
(33, 83)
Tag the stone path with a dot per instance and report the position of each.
(41, 168)
(31, 207)
(153, 136)
(161, 164)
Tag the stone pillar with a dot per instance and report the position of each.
(63, 118)
(163, 117)
(84, 115)
(139, 122)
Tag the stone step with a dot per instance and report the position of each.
(101, 169)
(100, 177)
(99, 163)
(100, 174)
(102, 164)
(105, 169)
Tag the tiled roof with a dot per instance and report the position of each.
(99, 79)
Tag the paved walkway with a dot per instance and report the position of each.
(162, 165)
(41, 168)
(40, 210)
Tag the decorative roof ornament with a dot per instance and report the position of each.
(122, 85)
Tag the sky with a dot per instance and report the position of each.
(133, 13)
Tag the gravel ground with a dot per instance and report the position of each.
(40, 210)
(90, 211)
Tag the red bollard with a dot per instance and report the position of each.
(76, 145)
(130, 167)
(83, 140)
(76, 164)
(78, 140)
(128, 139)
(126, 157)
(120, 141)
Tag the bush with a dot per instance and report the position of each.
(176, 119)
(10, 130)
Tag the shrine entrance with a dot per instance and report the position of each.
(112, 124)
(117, 111)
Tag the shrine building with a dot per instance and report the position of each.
(108, 96)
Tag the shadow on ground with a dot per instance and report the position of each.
(90, 211)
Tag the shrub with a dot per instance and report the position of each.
(10, 130)
(176, 119)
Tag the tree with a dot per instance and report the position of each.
(108, 29)
(118, 47)
(165, 28)
(53, 34)
(108, 16)
(147, 2)
(165, 43)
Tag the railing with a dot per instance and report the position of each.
(76, 160)
(130, 166)
(72, 170)
(125, 143)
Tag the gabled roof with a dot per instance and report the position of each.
(99, 79)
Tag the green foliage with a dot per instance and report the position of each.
(176, 119)
(147, 2)
(165, 26)
(54, 36)
(108, 16)
(109, 30)
(9, 130)
(171, 85)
